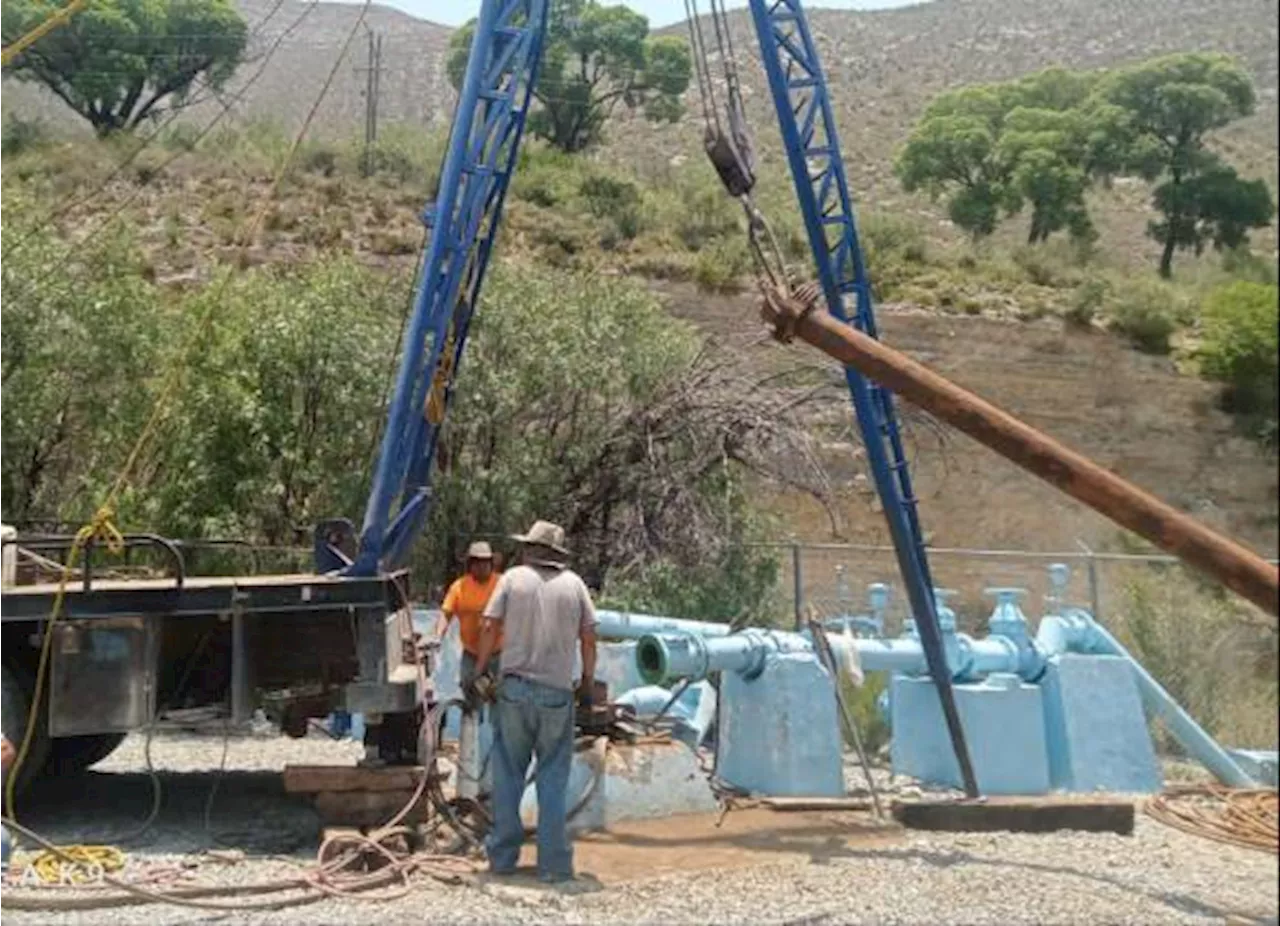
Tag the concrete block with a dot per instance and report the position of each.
(1003, 721)
(1097, 732)
(643, 782)
(780, 732)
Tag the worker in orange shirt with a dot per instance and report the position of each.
(466, 600)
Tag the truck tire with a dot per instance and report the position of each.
(71, 755)
(18, 689)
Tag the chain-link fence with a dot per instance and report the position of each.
(833, 580)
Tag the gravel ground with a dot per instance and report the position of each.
(1155, 876)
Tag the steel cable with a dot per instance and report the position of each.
(1241, 817)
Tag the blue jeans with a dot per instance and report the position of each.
(531, 720)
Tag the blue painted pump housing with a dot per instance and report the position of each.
(1063, 709)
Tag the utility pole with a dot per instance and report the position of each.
(373, 86)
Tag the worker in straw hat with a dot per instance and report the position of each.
(544, 612)
(465, 602)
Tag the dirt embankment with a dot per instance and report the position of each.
(1132, 413)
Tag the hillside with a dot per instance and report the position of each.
(991, 319)
(882, 66)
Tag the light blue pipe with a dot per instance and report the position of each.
(620, 625)
(901, 657)
(1181, 725)
(661, 658)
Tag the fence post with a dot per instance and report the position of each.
(1091, 567)
(797, 578)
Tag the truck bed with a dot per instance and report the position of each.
(203, 595)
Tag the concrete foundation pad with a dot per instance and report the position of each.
(1019, 815)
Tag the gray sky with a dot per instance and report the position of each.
(660, 12)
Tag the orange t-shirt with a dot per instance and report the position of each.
(466, 600)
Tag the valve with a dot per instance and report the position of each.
(878, 595)
(946, 616)
(1007, 619)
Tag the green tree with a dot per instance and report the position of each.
(1170, 105)
(120, 62)
(994, 149)
(953, 151)
(595, 59)
(1048, 168)
(1240, 348)
(629, 431)
(79, 350)
(280, 408)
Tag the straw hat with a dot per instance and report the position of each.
(545, 534)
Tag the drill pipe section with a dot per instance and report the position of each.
(1230, 563)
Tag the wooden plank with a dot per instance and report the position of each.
(1019, 815)
(312, 779)
(367, 808)
(816, 803)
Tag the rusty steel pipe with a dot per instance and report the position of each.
(1235, 566)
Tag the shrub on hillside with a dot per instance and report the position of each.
(1208, 653)
(19, 135)
(1087, 302)
(319, 158)
(881, 235)
(1146, 312)
(894, 250)
(741, 580)
(544, 176)
(616, 201)
(1246, 265)
(630, 433)
(1240, 350)
(82, 341)
(721, 267)
(184, 136)
(1044, 266)
(706, 215)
